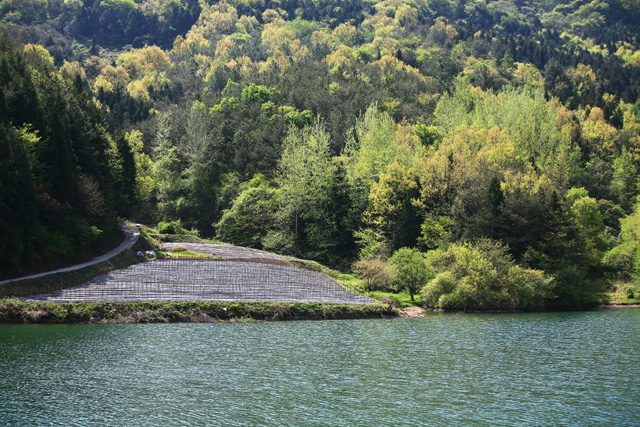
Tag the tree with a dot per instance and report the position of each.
(526, 117)
(122, 7)
(126, 179)
(25, 11)
(202, 176)
(624, 257)
(585, 211)
(373, 146)
(391, 211)
(149, 61)
(59, 163)
(429, 135)
(376, 142)
(303, 172)
(168, 167)
(252, 215)
(144, 176)
(624, 183)
(19, 217)
(411, 271)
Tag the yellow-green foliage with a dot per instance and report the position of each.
(483, 276)
(149, 59)
(26, 11)
(119, 6)
(111, 79)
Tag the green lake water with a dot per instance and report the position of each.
(541, 369)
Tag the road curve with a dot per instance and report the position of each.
(131, 237)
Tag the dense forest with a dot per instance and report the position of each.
(480, 154)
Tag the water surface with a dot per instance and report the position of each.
(545, 369)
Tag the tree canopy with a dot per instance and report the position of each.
(502, 137)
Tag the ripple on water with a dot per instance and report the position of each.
(450, 370)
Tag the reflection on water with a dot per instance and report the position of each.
(446, 369)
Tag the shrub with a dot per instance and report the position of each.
(178, 248)
(461, 299)
(442, 284)
(377, 274)
(166, 228)
(173, 227)
(483, 276)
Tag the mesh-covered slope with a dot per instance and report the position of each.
(207, 280)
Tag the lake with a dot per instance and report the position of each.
(542, 369)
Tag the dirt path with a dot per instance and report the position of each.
(131, 237)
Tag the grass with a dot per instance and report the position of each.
(15, 311)
(402, 299)
(618, 298)
(353, 283)
(187, 255)
(620, 293)
(147, 240)
(159, 238)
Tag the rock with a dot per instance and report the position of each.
(412, 311)
(139, 254)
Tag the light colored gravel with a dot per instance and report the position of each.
(200, 280)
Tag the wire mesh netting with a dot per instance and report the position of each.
(204, 279)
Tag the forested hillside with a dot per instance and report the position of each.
(63, 178)
(498, 139)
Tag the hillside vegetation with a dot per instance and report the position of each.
(480, 154)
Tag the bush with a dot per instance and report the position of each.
(376, 273)
(167, 228)
(444, 283)
(483, 276)
(178, 248)
(461, 299)
(173, 227)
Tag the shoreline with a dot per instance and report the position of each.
(17, 311)
(14, 311)
(620, 306)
